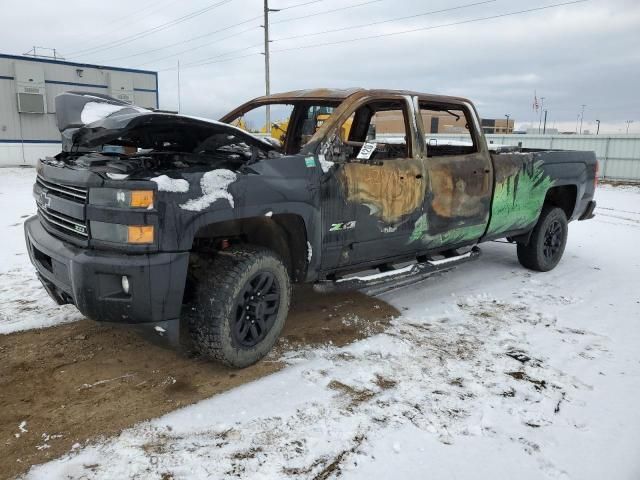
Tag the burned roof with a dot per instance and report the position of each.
(343, 93)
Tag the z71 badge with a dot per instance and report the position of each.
(338, 227)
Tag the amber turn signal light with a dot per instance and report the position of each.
(141, 199)
(140, 234)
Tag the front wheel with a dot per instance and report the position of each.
(242, 301)
(547, 242)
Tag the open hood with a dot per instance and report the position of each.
(87, 120)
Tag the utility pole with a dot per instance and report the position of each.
(598, 130)
(508, 115)
(541, 108)
(581, 118)
(577, 120)
(267, 80)
(544, 128)
(179, 101)
(628, 122)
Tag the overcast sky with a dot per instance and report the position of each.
(586, 53)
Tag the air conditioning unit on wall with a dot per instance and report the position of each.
(30, 88)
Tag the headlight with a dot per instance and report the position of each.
(117, 233)
(115, 197)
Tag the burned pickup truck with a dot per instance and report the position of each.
(147, 216)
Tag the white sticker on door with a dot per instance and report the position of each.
(367, 150)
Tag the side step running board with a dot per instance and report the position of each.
(378, 283)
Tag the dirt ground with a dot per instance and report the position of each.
(76, 382)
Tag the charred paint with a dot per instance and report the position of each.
(453, 195)
(391, 190)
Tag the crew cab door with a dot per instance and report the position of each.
(459, 171)
(375, 192)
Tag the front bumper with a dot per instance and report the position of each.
(92, 280)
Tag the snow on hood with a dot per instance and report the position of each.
(214, 186)
(168, 184)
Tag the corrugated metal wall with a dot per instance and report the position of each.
(25, 137)
(619, 155)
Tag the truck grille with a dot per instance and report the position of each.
(69, 192)
(57, 220)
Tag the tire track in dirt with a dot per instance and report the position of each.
(72, 383)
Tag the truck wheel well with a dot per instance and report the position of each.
(564, 196)
(284, 234)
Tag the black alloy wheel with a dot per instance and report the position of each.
(240, 303)
(256, 309)
(546, 242)
(553, 237)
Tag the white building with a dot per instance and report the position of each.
(28, 87)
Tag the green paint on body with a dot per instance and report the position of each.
(518, 199)
(450, 237)
(419, 229)
(517, 202)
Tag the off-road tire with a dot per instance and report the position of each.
(221, 285)
(544, 250)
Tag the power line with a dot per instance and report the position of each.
(136, 12)
(402, 32)
(433, 27)
(325, 12)
(191, 40)
(299, 5)
(149, 31)
(235, 34)
(205, 61)
(217, 56)
(131, 16)
(371, 24)
(346, 28)
(216, 61)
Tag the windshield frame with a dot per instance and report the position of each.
(300, 109)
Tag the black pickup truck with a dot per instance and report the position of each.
(146, 216)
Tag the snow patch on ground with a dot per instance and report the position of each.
(214, 186)
(24, 304)
(470, 371)
(168, 184)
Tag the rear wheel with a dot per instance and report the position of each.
(547, 242)
(241, 304)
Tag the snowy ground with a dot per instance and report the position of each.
(492, 371)
(23, 302)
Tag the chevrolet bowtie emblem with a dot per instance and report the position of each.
(45, 200)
